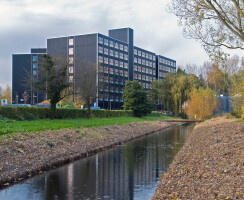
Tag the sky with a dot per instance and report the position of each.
(27, 24)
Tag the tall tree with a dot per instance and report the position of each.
(217, 79)
(87, 84)
(52, 80)
(135, 99)
(215, 23)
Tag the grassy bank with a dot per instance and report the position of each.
(8, 128)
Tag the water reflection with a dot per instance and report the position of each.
(125, 172)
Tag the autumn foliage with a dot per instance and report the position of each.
(202, 103)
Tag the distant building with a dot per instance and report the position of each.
(24, 65)
(116, 58)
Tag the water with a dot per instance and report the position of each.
(126, 172)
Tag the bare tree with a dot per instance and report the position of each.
(215, 23)
(87, 84)
(25, 96)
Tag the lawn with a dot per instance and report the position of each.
(8, 128)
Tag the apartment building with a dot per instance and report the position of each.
(117, 60)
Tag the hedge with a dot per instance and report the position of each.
(32, 113)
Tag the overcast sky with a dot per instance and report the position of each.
(28, 23)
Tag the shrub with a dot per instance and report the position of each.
(33, 113)
(202, 103)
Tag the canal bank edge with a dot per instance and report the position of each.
(24, 156)
(209, 166)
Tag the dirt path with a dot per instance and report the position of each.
(23, 156)
(209, 166)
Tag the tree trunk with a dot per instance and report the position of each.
(53, 109)
(89, 111)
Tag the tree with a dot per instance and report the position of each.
(217, 79)
(6, 94)
(175, 89)
(52, 79)
(237, 92)
(202, 103)
(25, 96)
(135, 99)
(152, 94)
(215, 23)
(87, 85)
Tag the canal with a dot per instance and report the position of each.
(131, 171)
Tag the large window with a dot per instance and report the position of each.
(34, 65)
(34, 58)
(100, 40)
(71, 41)
(71, 60)
(71, 70)
(71, 51)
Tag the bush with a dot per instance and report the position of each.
(33, 113)
(202, 103)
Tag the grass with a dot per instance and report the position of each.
(9, 128)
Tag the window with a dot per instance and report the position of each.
(116, 45)
(116, 54)
(126, 65)
(111, 44)
(111, 70)
(71, 51)
(100, 59)
(146, 63)
(100, 40)
(100, 49)
(146, 55)
(135, 51)
(135, 60)
(71, 78)
(106, 51)
(126, 73)
(116, 63)
(71, 41)
(139, 53)
(126, 48)
(34, 65)
(143, 54)
(71, 70)
(105, 42)
(121, 64)
(71, 60)
(111, 61)
(139, 60)
(126, 57)
(135, 68)
(121, 55)
(34, 58)
(111, 52)
(154, 65)
(139, 68)
(143, 61)
(105, 60)
(34, 72)
(121, 47)
(105, 69)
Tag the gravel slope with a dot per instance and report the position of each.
(209, 166)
